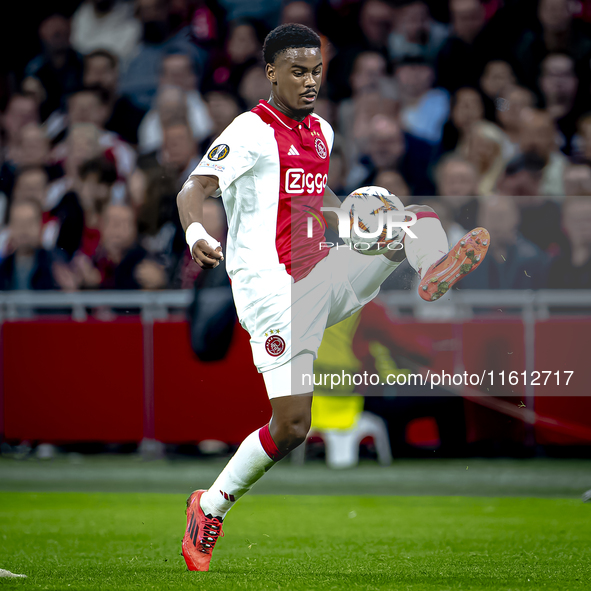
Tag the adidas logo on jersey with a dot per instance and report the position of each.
(292, 151)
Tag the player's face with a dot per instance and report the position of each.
(295, 78)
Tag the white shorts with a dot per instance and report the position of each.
(290, 324)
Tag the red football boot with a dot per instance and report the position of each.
(201, 535)
(462, 259)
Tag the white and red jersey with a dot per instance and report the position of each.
(272, 173)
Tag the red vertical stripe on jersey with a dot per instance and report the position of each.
(303, 173)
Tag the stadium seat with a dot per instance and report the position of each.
(342, 445)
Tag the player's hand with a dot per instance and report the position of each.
(205, 256)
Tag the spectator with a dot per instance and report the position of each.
(153, 191)
(254, 86)
(28, 266)
(243, 49)
(577, 180)
(101, 70)
(107, 25)
(457, 186)
(572, 269)
(556, 31)
(540, 217)
(58, 67)
(365, 107)
(538, 135)
(87, 105)
(81, 144)
(176, 69)
(95, 181)
(496, 79)
(32, 87)
(376, 19)
(510, 109)
(487, 148)
(467, 107)
(157, 181)
(415, 32)
(20, 111)
(468, 45)
(368, 76)
(179, 152)
(395, 183)
(369, 73)
(119, 261)
(30, 148)
(389, 148)
(74, 223)
(223, 107)
(300, 12)
(140, 78)
(512, 261)
(522, 176)
(30, 183)
(91, 106)
(559, 85)
(424, 109)
(375, 23)
(177, 98)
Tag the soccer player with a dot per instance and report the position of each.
(270, 166)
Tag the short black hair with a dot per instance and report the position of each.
(288, 36)
(100, 93)
(530, 162)
(103, 168)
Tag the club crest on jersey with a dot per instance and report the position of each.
(274, 345)
(320, 148)
(219, 152)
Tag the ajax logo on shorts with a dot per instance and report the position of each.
(274, 345)
(219, 152)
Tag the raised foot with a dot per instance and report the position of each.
(462, 259)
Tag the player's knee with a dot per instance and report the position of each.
(292, 432)
(299, 432)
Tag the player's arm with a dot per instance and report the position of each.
(331, 200)
(205, 250)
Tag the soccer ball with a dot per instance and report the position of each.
(368, 208)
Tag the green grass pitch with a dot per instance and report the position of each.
(121, 541)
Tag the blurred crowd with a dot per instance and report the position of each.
(478, 108)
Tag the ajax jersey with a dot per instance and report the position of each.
(272, 173)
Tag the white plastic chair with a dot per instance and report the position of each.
(342, 445)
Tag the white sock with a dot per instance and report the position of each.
(246, 466)
(429, 245)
